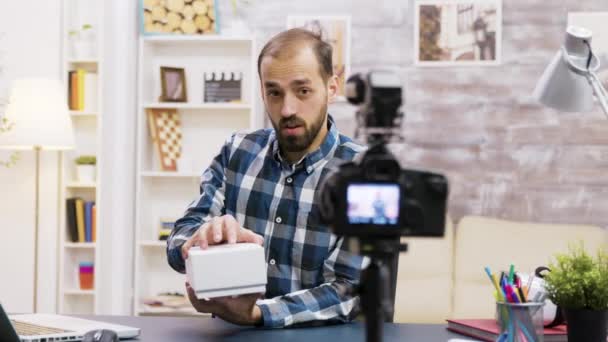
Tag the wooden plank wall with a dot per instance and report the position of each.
(505, 155)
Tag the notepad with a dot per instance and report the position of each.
(488, 330)
(226, 270)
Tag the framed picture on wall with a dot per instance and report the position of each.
(160, 17)
(173, 84)
(336, 31)
(596, 22)
(457, 32)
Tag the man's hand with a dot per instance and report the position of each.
(237, 310)
(219, 230)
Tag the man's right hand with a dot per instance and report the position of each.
(219, 230)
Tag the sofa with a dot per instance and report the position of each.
(440, 278)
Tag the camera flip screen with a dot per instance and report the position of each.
(373, 203)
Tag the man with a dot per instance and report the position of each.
(262, 188)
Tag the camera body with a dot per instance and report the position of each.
(372, 196)
(375, 198)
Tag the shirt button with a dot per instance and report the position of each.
(309, 169)
(272, 262)
(278, 219)
(289, 180)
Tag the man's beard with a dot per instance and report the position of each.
(299, 143)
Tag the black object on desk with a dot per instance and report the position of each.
(102, 335)
(195, 329)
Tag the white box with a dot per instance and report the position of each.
(226, 270)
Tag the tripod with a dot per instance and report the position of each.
(378, 284)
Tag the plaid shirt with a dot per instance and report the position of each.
(311, 275)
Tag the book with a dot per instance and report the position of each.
(80, 91)
(90, 92)
(80, 219)
(73, 90)
(88, 224)
(94, 223)
(71, 219)
(488, 330)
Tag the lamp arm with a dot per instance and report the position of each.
(599, 90)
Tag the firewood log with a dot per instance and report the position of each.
(188, 26)
(175, 5)
(200, 7)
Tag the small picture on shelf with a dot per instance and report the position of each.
(178, 17)
(173, 84)
(166, 226)
(166, 134)
(223, 87)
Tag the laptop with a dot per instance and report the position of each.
(52, 328)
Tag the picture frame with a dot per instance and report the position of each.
(198, 17)
(596, 22)
(336, 30)
(473, 35)
(173, 84)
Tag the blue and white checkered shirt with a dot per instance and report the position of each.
(311, 275)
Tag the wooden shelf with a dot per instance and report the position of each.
(77, 114)
(78, 292)
(81, 185)
(214, 38)
(210, 106)
(83, 245)
(83, 61)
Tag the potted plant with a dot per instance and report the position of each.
(238, 22)
(578, 283)
(83, 42)
(85, 168)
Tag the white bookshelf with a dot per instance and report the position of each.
(87, 129)
(205, 127)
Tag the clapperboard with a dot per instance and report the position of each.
(223, 86)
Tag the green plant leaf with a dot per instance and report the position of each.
(86, 160)
(578, 280)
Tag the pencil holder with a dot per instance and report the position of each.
(521, 321)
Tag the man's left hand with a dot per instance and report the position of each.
(238, 310)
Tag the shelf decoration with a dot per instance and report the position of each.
(179, 17)
(165, 130)
(223, 87)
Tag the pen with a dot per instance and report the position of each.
(511, 270)
(499, 292)
(521, 295)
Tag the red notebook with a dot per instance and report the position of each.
(488, 330)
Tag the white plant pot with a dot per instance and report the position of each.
(83, 49)
(86, 173)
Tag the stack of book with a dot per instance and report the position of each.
(82, 92)
(81, 220)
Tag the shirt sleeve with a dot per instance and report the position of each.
(210, 203)
(333, 301)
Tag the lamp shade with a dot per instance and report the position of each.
(564, 84)
(38, 112)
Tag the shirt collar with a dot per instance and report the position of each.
(312, 159)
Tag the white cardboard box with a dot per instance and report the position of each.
(226, 270)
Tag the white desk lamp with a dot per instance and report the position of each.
(38, 112)
(570, 81)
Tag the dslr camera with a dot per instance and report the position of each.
(373, 197)
(372, 201)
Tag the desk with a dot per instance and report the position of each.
(191, 329)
